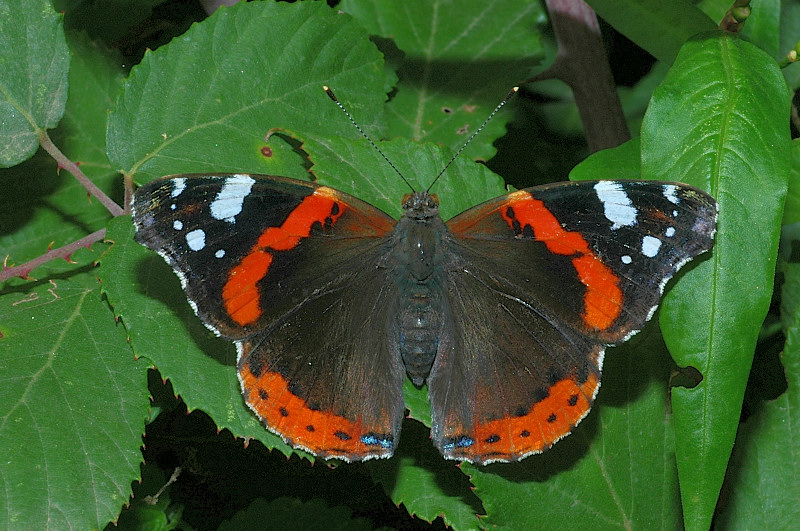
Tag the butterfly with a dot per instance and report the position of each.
(503, 312)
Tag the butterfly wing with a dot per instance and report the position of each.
(289, 270)
(542, 280)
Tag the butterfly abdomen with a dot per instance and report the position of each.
(419, 323)
(418, 275)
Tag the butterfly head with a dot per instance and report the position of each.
(421, 205)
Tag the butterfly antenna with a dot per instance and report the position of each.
(332, 96)
(478, 130)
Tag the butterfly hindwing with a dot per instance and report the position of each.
(537, 293)
(323, 377)
(287, 270)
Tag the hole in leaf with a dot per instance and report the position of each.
(687, 377)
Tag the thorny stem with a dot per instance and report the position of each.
(64, 162)
(66, 251)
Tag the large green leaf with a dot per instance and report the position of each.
(33, 76)
(719, 121)
(73, 403)
(764, 474)
(205, 102)
(456, 60)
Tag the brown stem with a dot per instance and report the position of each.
(582, 64)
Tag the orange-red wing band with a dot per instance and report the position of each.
(240, 294)
(512, 438)
(319, 432)
(603, 298)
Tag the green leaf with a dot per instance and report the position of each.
(456, 61)
(621, 162)
(765, 469)
(73, 403)
(95, 79)
(616, 470)
(658, 27)
(719, 122)
(205, 102)
(33, 76)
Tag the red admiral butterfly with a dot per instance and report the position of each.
(504, 311)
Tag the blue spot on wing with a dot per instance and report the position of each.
(458, 442)
(372, 439)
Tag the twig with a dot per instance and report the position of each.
(64, 252)
(64, 162)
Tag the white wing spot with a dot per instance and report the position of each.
(220, 253)
(617, 206)
(178, 186)
(671, 193)
(626, 259)
(670, 232)
(177, 224)
(196, 240)
(228, 203)
(674, 213)
(650, 246)
(173, 206)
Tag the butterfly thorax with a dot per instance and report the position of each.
(419, 253)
